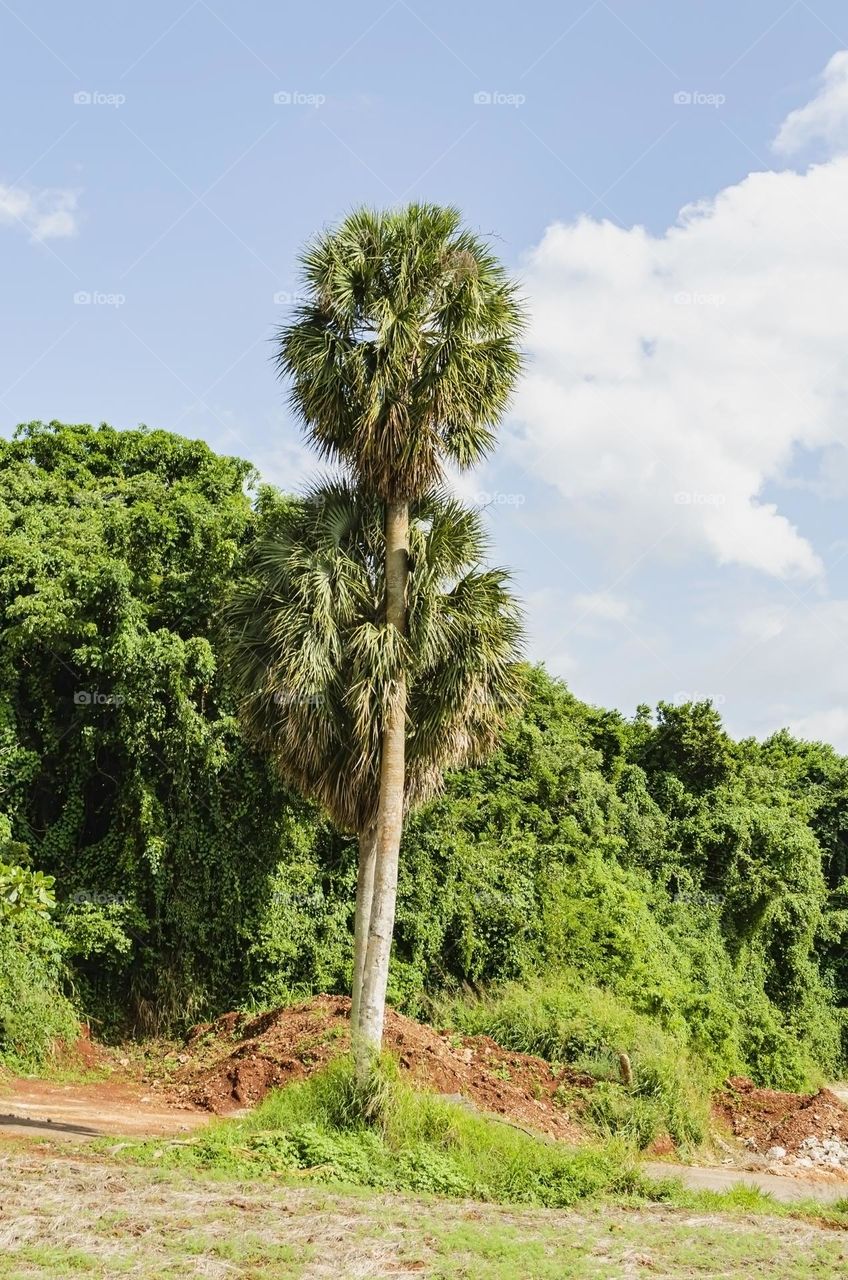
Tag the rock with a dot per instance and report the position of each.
(804, 1162)
(775, 1153)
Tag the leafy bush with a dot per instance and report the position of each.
(573, 1022)
(415, 1142)
(34, 1011)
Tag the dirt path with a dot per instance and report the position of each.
(77, 1112)
(719, 1178)
(80, 1112)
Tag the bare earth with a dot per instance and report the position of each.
(46, 1109)
(43, 1109)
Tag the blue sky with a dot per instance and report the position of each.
(671, 485)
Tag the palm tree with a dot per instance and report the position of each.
(402, 358)
(315, 668)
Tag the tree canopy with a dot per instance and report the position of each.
(701, 880)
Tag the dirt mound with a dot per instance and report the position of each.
(767, 1119)
(237, 1059)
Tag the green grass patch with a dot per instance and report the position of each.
(397, 1139)
(565, 1021)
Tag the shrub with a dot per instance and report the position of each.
(34, 1012)
(413, 1142)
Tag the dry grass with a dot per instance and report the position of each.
(76, 1216)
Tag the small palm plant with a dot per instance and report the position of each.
(401, 360)
(314, 665)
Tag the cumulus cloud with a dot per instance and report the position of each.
(674, 377)
(825, 118)
(45, 213)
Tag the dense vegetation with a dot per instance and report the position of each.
(600, 884)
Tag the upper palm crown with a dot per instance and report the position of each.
(404, 353)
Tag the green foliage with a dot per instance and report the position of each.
(566, 1020)
(34, 1012)
(675, 892)
(122, 766)
(416, 1142)
(23, 890)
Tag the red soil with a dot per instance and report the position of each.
(768, 1118)
(244, 1057)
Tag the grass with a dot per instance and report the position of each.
(588, 1028)
(78, 1216)
(415, 1142)
(409, 1141)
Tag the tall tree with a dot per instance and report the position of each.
(402, 359)
(309, 659)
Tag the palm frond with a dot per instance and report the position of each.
(405, 351)
(316, 670)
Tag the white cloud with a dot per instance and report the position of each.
(602, 605)
(825, 118)
(824, 726)
(45, 213)
(673, 377)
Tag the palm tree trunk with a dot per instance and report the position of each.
(362, 919)
(372, 1007)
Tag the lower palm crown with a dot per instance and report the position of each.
(316, 669)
